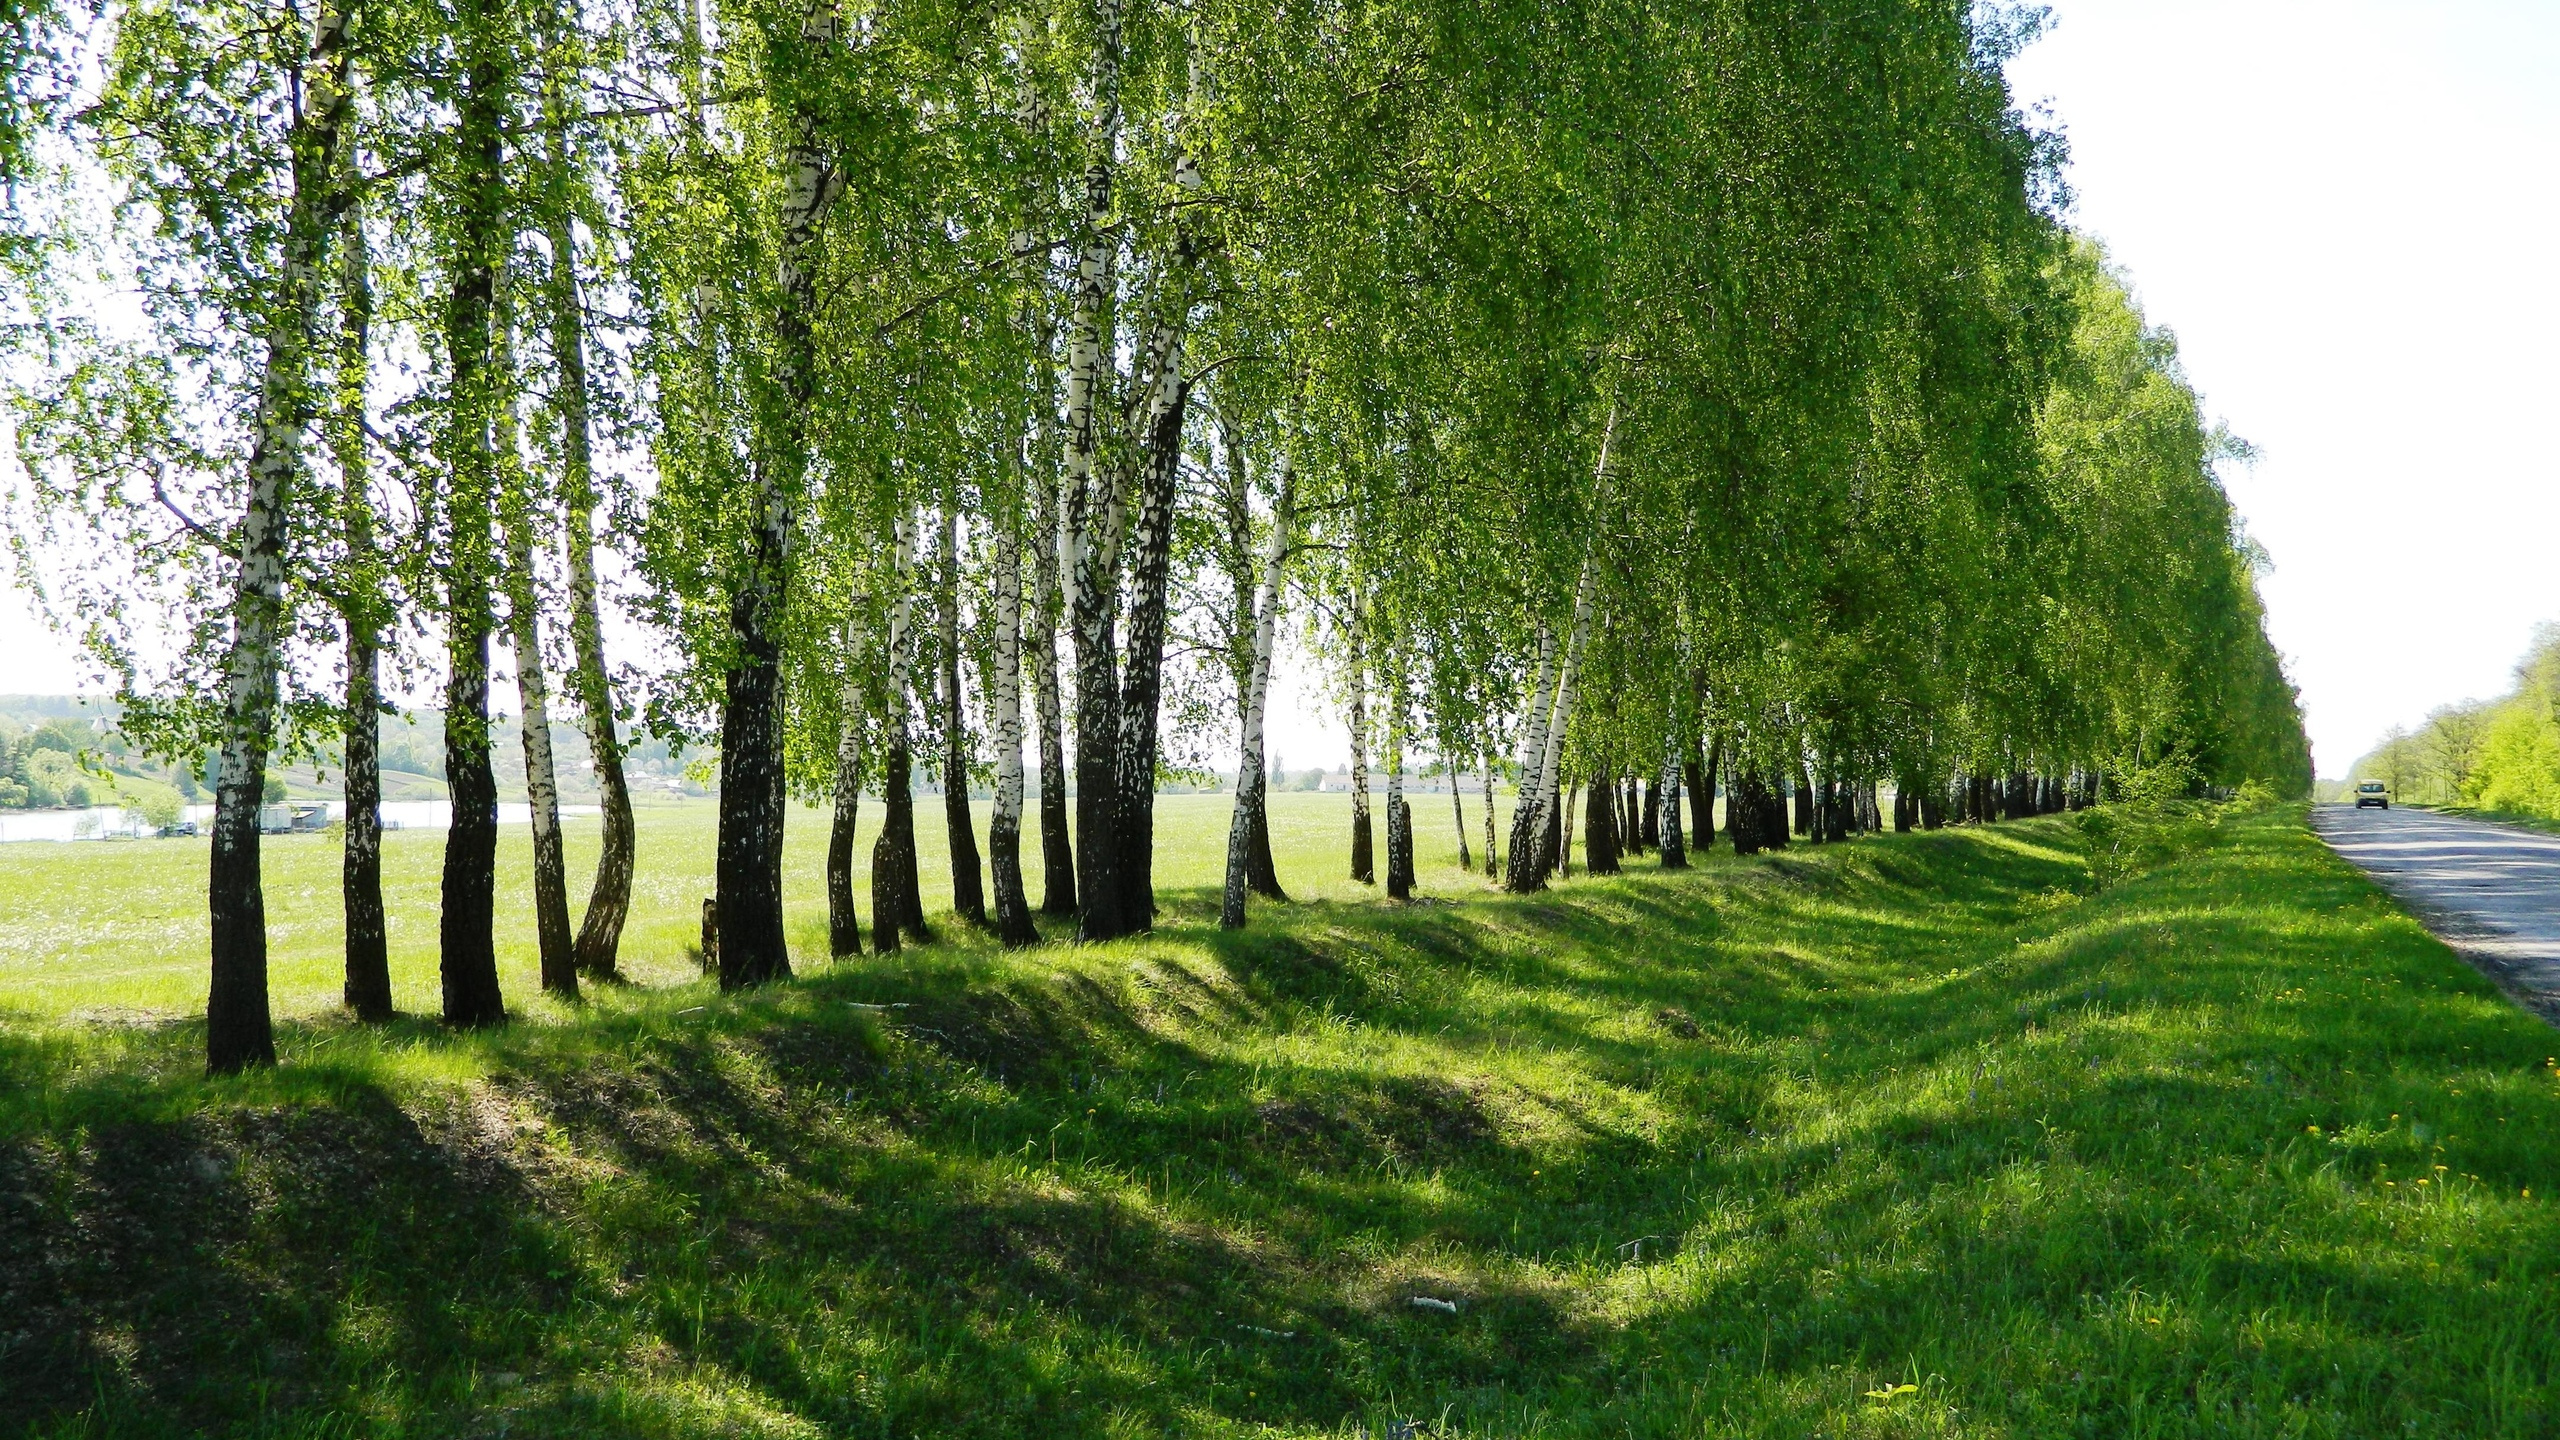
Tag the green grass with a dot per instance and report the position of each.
(1909, 1112)
(116, 931)
(2520, 820)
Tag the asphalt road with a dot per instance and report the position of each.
(2489, 891)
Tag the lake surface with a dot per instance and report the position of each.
(109, 822)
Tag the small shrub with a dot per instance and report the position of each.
(2153, 821)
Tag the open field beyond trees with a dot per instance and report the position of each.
(2231, 1147)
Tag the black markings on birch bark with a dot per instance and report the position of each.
(1675, 846)
(1492, 865)
(1004, 830)
(239, 1032)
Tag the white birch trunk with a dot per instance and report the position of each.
(1004, 830)
(518, 509)
(1363, 857)
(1251, 769)
(239, 1030)
(1540, 803)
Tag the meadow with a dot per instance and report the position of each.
(1919, 1135)
(115, 931)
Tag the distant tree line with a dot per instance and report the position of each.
(2501, 754)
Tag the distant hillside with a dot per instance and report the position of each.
(58, 750)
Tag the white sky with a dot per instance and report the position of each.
(2350, 214)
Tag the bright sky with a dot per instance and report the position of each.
(2347, 210)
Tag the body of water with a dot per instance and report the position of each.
(109, 822)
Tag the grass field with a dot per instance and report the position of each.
(116, 931)
(1917, 1138)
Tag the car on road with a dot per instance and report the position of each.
(2373, 792)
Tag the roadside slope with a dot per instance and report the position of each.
(1906, 1112)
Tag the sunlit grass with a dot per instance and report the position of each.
(1905, 1137)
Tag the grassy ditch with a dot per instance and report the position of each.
(1915, 1136)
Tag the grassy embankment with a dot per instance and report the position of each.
(2232, 1148)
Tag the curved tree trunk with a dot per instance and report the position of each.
(1540, 802)
(599, 943)
(533, 685)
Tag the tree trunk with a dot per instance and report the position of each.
(1675, 847)
(753, 949)
(368, 959)
(1564, 827)
(239, 1032)
(1458, 813)
(517, 509)
(1492, 865)
(1363, 864)
(1600, 828)
(1088, 538)
(1527, 823)
(599, 941)
(844, 924)
(1551, 732)
(1004, 828)
(1252, 778)
(470, 962)
(968, 891)
(1142, 676)
(1040, 646)
(897, 904)
(1399, 815)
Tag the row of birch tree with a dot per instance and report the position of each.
(1624, 403)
